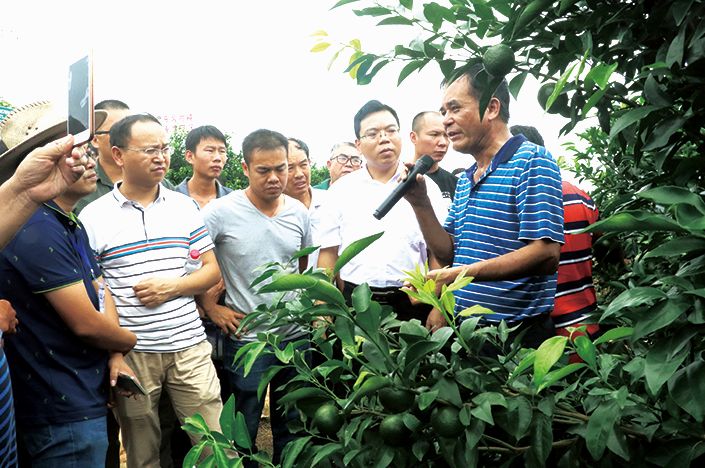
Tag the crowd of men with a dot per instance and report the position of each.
(99, 274)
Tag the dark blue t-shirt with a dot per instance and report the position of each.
(56, 377)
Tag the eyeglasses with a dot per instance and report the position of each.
(374, 133)
(343, 159)
(152, 152)
(101, 132)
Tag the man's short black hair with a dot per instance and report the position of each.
(476, 88)
(531, 133)
(263, 139)
(302, 146)
(199, 134)
(121, 132)
(370, 108)
(111, 104)
(418, 120)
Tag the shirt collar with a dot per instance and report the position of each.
(69, 220)
(102, 176)
(504, 154)
(393, 180)
(122, 200)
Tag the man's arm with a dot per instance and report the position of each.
(44, 174)
(537, 257)
(327, 257)
(76, 310)
(155, 291)
(438, 241)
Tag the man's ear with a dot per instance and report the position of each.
(357, 145)
(245, 169)
(329, 163)
(117, 156)
(413, 137)
(188, 156)
(493, 108)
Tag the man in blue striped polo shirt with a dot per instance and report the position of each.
(505, 226)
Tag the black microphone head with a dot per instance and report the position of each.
(424, 163)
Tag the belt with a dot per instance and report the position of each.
(386, 291)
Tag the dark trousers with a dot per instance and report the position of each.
(394, 298)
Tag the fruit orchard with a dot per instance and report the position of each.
(637, 397)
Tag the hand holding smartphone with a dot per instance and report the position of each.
(80, 122)
(130, 384)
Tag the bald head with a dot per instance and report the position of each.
(429, 136)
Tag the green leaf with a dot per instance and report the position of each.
(516, 83)
(342, 2)
(325, 452)
(547, 355)
(249, 360)
(661, 363)
(629, 118)
(617, 443)
(614, 334)
(305, 392)
(395, 20)
(541, 440)
(448, 390)
(293, 449)
(266, 378)
(488, 93)
(592, 101)
(654, 93)
(227, 422)
(677, 246)
(410, 67)
(373, 11)
(242, 435)
(600, 426)
(290, 282)
(675, 50)
(320, 47)
(196, 425)
(600, 75)
(558, 374)
(586, 350)
(353, 249)
(193, 455)
(560, 84)
(435, 14)
(671, 195)
(632, 298)
(361, 297)
(663, 132)
(688, 387)
(659, 316)
(426, 399)
(639, 221)
(369, 385)
(525, 364)
(220, 458)
(408, 4)
(532, 11)
(690, 218)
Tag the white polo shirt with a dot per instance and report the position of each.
(347, 215)
(132, 243)
(318, 196)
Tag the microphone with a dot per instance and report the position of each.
(421, 167)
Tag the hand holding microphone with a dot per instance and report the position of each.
(422, 166)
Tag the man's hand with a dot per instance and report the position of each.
(417, 194)
(47, 171)
(444, 276)
(116, 366)
(8, 318)
(214, 292)
(155, 291)
(225, 318)
(435, 320)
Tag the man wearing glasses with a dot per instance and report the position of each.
(344, 159)
(347, 216)
(141, 234)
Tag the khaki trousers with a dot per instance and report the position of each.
(189, 377)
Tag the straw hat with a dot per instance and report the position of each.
(28, 127)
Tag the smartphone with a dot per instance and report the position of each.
(80, 122)
(127, 382)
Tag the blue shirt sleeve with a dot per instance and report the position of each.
(540, 199)
(43, 256)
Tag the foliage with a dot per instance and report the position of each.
(232, 175)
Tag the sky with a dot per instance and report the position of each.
(239, 65)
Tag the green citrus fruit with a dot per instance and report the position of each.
(396, 400)
(393, 431)
(328, 419)
(498, 60)
(445, 421)
(560, 105)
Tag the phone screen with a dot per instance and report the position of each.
(80, 110)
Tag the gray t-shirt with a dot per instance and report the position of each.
(246, 239)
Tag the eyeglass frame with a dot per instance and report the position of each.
(348, 158)
(378, 132)
(164, 151)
